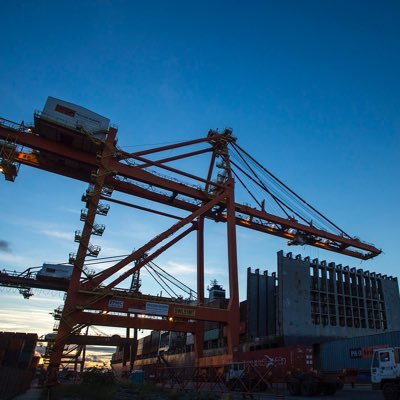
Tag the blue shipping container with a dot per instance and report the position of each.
(354, 353)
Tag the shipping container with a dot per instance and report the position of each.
(2, 353)
(30, 343)
(16, 343)
(354, 353)
(177, 339)
(165, 340)
(25, 359)
(19, 351)
(189, 339)
(140, 346)
(284, 359)
(4, 340)
(150, 345)
(11, 358)
(146, 344)
(212, 334)
(155, 337)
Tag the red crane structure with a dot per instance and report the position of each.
(97, 299)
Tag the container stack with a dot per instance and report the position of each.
(17, 350)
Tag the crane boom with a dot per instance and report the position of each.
(48, 152)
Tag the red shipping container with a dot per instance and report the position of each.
(284, 360)
(16, 343)
(2, 353)
(4, 340)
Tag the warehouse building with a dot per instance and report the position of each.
(309, 301)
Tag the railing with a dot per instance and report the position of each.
(28, 273)
(10, 124)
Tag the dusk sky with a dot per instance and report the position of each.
(310, 88)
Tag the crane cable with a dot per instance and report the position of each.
(236, 146)
(151, 274)
(278, 200)
(181, 285)
(275, 198)
(262, 185)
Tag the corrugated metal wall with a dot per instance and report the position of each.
(17, 349)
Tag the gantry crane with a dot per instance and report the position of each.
(109, 170)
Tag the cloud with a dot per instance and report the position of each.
(75, 211)
(45, 228)
(57, 234)
(97, 359)
(12, 320)
(177, 268)
(110, 251)
(180, 268)
(20, 261)
(5, 246)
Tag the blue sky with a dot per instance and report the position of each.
(310, 88)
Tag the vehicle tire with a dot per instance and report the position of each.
(293, 388)
(308, 388)
(339, 384)
(390, 391)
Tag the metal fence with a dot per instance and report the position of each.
(252, 382)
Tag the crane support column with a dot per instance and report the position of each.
(233, 306)
(67, 322)
(233, 326)
(199, 343)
